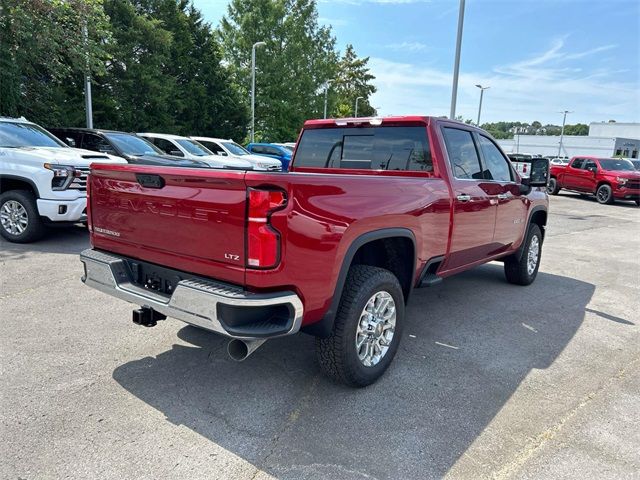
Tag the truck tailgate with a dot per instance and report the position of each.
(187, 219)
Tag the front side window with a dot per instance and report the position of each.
(96, 143)
(212, 147)
(167, 147)
(14, 135)
(497, 167)
(132, 144)
(369, 148)
(577, 163)
(272, 151)
(590, 164)
(235, 149)
(462, 154)
(193, 147)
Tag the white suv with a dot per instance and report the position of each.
(42, 180)
(229, 148)
(185, 147)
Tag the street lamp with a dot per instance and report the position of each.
(326, 89)
(456, 64)
(356, 111)
(253, 86)
(482, 89)
(564, 120)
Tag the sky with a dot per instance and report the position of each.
(538, 58)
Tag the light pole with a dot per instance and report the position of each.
(482, 89)
(253, 86)
(87, 80)
(356, 111)
(326, 89)
(564, 120)
(456, 64)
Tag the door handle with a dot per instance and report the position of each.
(502, 196)
(464, 198)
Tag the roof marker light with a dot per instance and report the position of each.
(376, 121)
(341, 123)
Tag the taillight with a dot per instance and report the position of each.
(89, 224)
(263, 241)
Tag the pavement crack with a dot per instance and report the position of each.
(535, 444)
(291, 420)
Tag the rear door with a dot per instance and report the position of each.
(474, 201)
(188, 219)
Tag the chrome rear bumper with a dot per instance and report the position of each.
(196, 301)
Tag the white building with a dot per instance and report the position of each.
(604, 140)
(614, 129)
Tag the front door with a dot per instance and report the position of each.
(474, 201)
(511, 216)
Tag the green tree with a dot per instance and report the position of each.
(293, 67)
(353, 80)
(44, 57)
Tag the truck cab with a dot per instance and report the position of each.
(371, 209)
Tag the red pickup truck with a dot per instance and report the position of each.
(370, 209)
(609, 179)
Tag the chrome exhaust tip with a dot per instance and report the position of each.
(239, 350)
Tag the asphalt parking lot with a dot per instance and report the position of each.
(491, 380)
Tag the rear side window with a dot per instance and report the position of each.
(367, 148)
(462, 154)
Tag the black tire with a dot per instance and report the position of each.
(337, 354)
(552, 186)
(517, 269)
(34, 229)
(604, 194)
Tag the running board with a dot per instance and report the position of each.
(429, 280)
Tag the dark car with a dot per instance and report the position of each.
(129, 146)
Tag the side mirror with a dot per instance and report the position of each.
(223, 154)
(539, 173)
(593, 169)
(71, 142)
(176, 153)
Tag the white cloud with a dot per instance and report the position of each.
(534, 88)
(336, 22)
(407, 46)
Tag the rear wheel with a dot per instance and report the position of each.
(367, 328)
(19, 219)
(523, 270)
(604, 194)
(552, 186)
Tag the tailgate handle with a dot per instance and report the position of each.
(150, 181)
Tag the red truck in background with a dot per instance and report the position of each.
(609, 179)
(370, 209)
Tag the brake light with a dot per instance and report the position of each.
(263, 241)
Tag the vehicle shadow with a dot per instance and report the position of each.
(592, 199)
(467, 346)
(68, 240)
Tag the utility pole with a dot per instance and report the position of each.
(482, 89)
(87, 79)
(356, 112)
(456, 64)
(253, 87)
(564, 120)
(326, 89)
